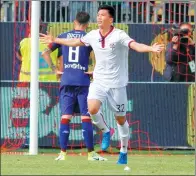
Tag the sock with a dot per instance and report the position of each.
(87, 129)
(64, 134)
(124, 136)
(99, 121)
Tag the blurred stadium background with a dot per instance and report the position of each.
(160, 114)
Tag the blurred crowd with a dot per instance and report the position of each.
(131, 12)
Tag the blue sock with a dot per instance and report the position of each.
(88, 134)
(64, 134)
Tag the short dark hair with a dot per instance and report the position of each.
(109, 8)
(83, 17)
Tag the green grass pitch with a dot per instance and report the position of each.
(140, 163)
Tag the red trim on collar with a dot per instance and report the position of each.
(111, 29)
(103, 37)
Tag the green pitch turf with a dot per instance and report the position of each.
(175, 163)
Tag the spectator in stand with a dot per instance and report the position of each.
(180, 56)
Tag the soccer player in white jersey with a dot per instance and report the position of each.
(110, 75)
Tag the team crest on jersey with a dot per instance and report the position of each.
(100, 40)
(112, 45)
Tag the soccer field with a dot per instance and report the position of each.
(77, 164)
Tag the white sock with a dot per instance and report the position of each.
(99, 121)
(123, 131)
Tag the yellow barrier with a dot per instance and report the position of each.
(190, 116)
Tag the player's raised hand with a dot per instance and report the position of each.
(46, 38)
(157, 48)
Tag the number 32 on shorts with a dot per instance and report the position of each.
(121, 108)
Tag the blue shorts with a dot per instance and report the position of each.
(73, 100)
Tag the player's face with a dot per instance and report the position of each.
(104, 19)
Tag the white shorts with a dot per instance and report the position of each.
(116, 97)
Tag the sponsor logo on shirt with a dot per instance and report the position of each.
(75, 66)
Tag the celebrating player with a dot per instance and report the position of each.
(110, 46)
(74, 86)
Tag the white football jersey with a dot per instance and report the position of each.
(111, 54)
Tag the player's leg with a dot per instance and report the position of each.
(123, 130)
(87, 126)
(117, 99)
(67, 101)
(97, 95)
(94, 108)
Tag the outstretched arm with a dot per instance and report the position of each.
(48, 39)
(69, 42)
(140, 47)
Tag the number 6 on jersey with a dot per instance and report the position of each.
(73, 54)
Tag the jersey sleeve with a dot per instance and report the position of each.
(125, 39)
(59, 51)
(87, 39)
(54, 46)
